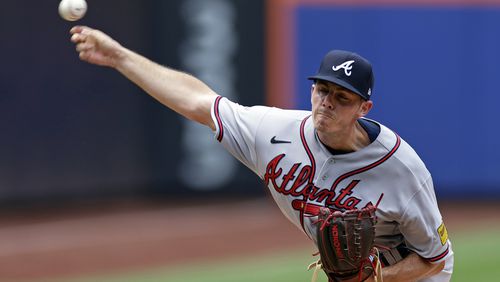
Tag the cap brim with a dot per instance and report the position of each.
(337, 81)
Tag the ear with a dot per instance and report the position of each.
(365, 108)
(312, 90)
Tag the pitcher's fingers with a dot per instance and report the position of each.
(84, 55)
(78, 37)
(80, 47)
(78, 29)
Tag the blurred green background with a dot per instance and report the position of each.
(476, 259)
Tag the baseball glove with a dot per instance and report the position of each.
(346, 244)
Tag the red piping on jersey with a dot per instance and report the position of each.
(313, 169)
(309, 153)
(368, 167)
(217, 117)
(436, 258)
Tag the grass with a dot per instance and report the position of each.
(477, 256)
(285, 267)
(476, 259)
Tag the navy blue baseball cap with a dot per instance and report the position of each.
(348, 70)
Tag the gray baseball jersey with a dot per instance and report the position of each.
(283, 149)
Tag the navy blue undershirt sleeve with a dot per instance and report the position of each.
(371, 128)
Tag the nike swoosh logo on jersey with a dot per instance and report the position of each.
(276, 141)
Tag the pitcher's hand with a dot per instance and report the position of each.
(95, 47)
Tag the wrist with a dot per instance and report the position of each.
(120, 57)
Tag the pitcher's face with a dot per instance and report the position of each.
(335, 108)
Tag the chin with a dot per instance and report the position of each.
(325, 125)
(322, 125)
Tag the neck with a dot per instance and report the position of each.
(350, 140)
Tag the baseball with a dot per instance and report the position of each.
(72, 10)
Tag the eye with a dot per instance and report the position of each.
(343, 97)
(323, 90)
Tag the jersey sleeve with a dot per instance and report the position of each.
(236, 128)
(423, 227)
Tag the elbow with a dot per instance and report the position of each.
(434, 268)
(430, 269)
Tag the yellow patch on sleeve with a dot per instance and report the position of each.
(443, 233)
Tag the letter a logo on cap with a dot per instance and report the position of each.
(347, 66)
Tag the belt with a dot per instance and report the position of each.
(394, 255)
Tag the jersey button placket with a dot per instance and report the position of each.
(325, 169)
(329, 163)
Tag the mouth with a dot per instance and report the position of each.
(327, 115)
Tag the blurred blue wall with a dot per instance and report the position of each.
(436, 73)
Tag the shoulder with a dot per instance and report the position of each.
(267, 112)
(404, 155)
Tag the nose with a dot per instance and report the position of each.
(326, 101)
